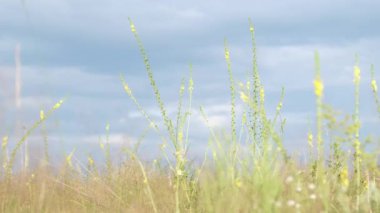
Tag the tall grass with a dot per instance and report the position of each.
(250, 169)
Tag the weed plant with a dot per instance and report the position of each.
(249, 170)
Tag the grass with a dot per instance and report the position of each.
(249, 169)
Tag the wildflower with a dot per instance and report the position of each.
(5, 142)
(180, 136)
(179, 172)
(298, 205)
(318, 87)
(214, 155)
(57, 105)
(133, 29)
(299, 189)
(289, 179)
(90, 161)
(101, 146)
(181, 88)
(127, 89)
(291, 203)
(262, 94)
(279, 106)
(311, 186)
(191, 85)
(248, 85)
(374, 85)
(357, 147)
(244, 97)
(313, 196)
(356, 75)
(310, 139)
(244, 118)
(343, 177)
(163, 146)
(69, 157)
(278, 203)
(251, 29)
(238, 183)
(42, 115)
(227, 54)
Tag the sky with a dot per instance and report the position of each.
(78, 49)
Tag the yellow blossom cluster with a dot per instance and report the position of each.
(318, 87)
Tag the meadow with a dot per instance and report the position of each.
(246, 168)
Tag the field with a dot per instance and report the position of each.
(246, 169)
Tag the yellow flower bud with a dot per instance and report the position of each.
(318, 87)
(374, 85)
(42, 115)
(244, 97)
(227, 54)
(133, 29)
(356, 75)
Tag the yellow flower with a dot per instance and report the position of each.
(191, 85)
(248, 85)
(357, 147)
(343, 177)
(42, 115)
(180, 136)
(262, 93)
(251, 29)
(57, 105)
(227, 54)
(279, 106)
(356, 75)
(127, 89)
(318, 87)
(244, 97)
(374, 85)
(310, 139)
(69, 157)
(101, 146)
(5, 142)
(238, 183)
(179, 172)
(90, 161)
(133, 29)
(108, 127)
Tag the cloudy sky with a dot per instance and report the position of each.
(78, 49)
